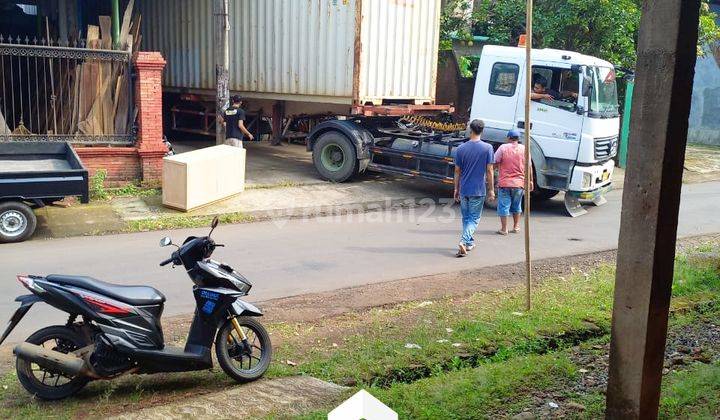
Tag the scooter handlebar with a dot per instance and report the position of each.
(166, 262)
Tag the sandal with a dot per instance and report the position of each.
(515, 230)
(501, 232)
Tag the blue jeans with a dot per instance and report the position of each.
(509, 201)
(471, 210)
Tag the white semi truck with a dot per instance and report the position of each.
(574, 133)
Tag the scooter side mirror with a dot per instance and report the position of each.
(213, 225)
(166, 241)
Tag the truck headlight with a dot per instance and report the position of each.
(587, 180)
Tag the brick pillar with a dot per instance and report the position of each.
(148, 98)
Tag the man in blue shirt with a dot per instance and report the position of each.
(473, 167)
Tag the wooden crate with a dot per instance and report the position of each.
(198, 178)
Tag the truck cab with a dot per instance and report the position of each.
(574, 112)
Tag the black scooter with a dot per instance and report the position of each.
(119, 331)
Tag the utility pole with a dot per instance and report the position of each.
(222, 62)
(528, 161)
(115, 16)
(651, 200)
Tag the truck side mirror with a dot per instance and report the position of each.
(586, 87)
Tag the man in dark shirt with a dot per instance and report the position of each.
(234, 120)
(473, 170)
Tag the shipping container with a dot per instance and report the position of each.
(347, 52)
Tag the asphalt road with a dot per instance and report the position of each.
(290, 257)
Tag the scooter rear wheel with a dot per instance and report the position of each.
(46, 384)
(243, 362)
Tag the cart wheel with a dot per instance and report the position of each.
(17, 221)
(335, 157)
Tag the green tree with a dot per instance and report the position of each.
(602, 28)
(453, 23)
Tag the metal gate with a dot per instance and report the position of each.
(74, 93)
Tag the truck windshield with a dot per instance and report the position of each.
(603, 95)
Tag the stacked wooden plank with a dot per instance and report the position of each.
(100, 101)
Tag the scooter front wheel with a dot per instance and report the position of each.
(244, 355)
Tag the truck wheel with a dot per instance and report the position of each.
(542, 194)
(335, 157)
(17, 221)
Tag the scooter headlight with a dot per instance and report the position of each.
(243, 286)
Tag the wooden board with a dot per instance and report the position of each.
(89, 77)
(105, 32)
(93, 34)
(135, 32)
(122, 104)
(195, 179)
(125, 26)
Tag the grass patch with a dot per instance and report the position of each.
(482, 392)
(690, 394)
(694, 393)
(488, 327)
(471, 351)
(479, 392)
(694, 279)
(450, 335)
(132, 190)
(97, 186)
(184, 222)
(98, 191)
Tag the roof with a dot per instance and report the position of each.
(545, 54)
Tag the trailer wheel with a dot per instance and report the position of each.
(17, 221)
(335, 157)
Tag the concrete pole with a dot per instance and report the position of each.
(651, 199)
(222, 62)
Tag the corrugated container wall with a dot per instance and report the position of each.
(302, 50)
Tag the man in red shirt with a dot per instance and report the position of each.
(510, 161)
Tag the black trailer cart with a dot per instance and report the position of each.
(343, 148)
(33, 175)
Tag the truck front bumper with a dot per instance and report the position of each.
(591, 195)
(588, 180)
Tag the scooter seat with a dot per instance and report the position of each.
(133, 295)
